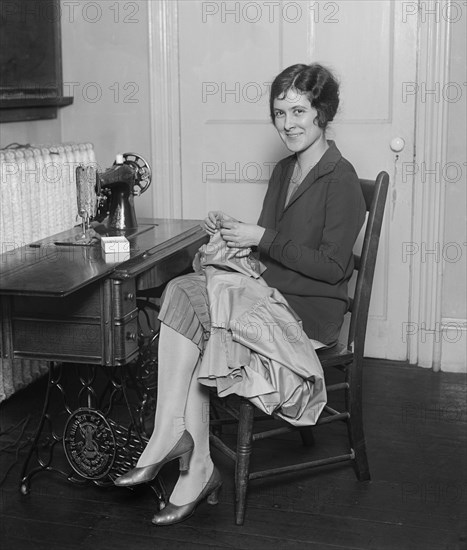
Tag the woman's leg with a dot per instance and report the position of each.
(177, 360)
(191, 483)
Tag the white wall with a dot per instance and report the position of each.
(36, 131)
(105, 68)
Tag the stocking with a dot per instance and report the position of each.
(177, 360)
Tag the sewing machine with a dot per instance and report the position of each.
(110, 202)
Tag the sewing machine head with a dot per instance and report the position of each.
(115, 190)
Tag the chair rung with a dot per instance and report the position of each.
(271, 433)
(335, 387)
(303, 466)
(222, 447)
(330, 410)
(333, 418)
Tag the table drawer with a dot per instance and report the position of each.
(85, 303)
(123, 298)
(76, 341)
(58, 340)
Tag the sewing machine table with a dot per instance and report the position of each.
(73, 304)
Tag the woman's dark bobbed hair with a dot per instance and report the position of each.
(316, 82)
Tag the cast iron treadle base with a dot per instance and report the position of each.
(104, 419)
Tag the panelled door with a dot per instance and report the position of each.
(229, 53)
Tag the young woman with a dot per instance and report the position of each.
(312, 213)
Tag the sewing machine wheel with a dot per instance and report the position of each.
(144, 174)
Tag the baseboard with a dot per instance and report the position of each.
(454, 345)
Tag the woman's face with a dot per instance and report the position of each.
(294, 120)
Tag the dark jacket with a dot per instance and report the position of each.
(307, 247)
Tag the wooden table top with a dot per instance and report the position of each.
(45, 268)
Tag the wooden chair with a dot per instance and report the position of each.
(348, 359)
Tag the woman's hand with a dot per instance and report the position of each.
(214, 221)
(241, 235)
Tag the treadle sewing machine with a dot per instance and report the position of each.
(115, 189)
(64, 300)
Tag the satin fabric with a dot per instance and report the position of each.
(257, 347)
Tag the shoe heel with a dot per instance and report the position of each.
(184, 461)
(213, 498)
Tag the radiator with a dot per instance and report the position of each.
(37, 199)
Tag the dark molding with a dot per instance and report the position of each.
(31, 108)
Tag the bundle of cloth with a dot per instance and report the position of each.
(256, 347)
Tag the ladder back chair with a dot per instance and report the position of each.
(347, 358)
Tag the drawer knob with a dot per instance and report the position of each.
(129, 296)
(131, 336)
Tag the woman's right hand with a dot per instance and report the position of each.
(214, 219)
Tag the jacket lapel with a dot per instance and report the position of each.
(288, 170)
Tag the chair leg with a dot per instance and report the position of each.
(355, 422)
(308, 439)
(357, 442)
(242, 466)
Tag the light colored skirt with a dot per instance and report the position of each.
(273, 387)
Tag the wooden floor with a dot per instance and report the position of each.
(417, 441)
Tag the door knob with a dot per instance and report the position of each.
(397, 144)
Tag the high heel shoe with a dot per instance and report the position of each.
(182, 450)
(175, 514)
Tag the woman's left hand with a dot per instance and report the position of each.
(241, 235)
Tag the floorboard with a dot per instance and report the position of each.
(415, 422)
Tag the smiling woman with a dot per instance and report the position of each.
(312, 213)
(296, 120)
(304, 99)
